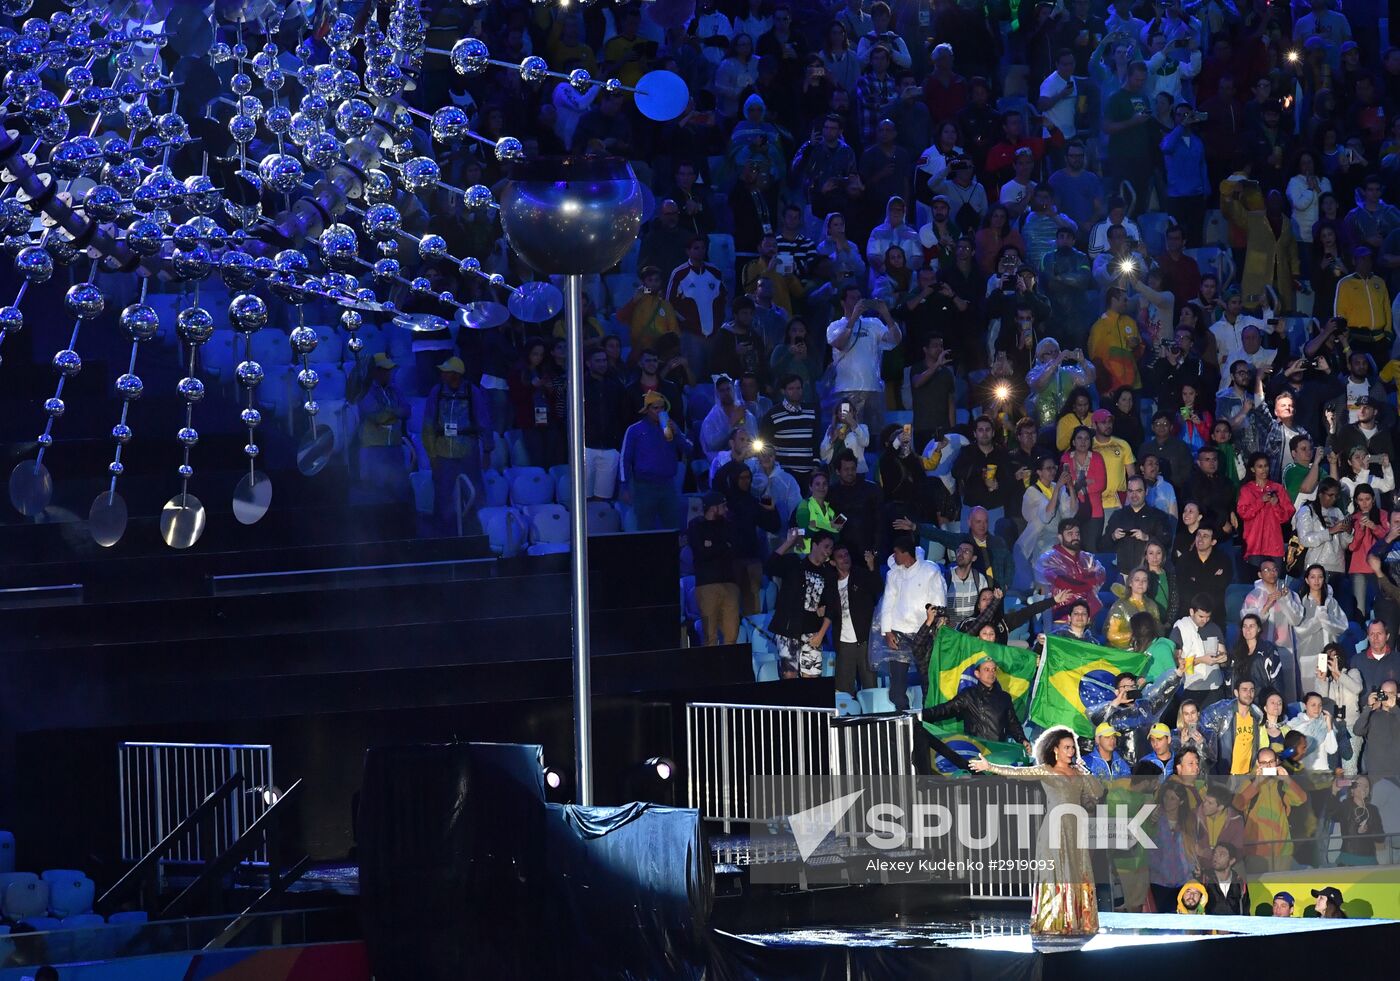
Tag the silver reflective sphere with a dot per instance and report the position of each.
(34, 264)
(67, 363)
(11, 319)
(339, 246)
(580, 80)
(280, 170)
(509, 150)
(194, 325)
(478, 197)
(304, 340)
(54, 406)
(139, 321)
(122, 434)
(250, 375)
(420, 174)
(130, 387)
(252, 418)
(572, 216)
(534, 69)
(144, 237)
(247, 313)
(187, 436)
(449, 123)
(308, 379)
(432, 246)
(84, 301)
(191, 389)
(468, 56)
(382, 222)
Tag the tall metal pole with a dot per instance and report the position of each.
(578, 521)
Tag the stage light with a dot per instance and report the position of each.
(662, 766)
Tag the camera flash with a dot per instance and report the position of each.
(1003, 392)
(1293, 56)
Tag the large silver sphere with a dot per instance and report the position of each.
(572, 215)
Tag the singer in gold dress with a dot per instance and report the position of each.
(1064, 904)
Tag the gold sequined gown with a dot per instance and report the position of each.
(1063, 904)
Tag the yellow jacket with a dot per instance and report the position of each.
(1365, 303)
(1064, 429)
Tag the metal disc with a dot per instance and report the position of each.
(661, 95)
(107, 518)
(314, 452)
(182, 521)
(421, 323)
(31, 487)
(483, 315)
(648, 204)
(534, 303)
(252, 497)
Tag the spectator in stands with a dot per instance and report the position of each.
(457, 438)
(711, 540)
(911, 585)
(858, 341)
(1200, 644)
(1226, 892)
(696, 291)
(749, 517)
(1119, 462)
(651, 449)
(1237, 726)
(605, 421)
(860, 587)
(725, 416)
(1364, 303)
(965, 584)
(1132, 527)
(1266, 802)
(383, 412)
(1105, 762)
(1264, 507)
(807, 601)
(790, 428)
(983, 471)
(1115, 345)
(934, 388)
(857, 504)
(1189, 737)
(845, 434)
(1169, 448)
(985, 709)
(1279, 611)
(815, 513)
(1046, 502)
(1065, 567)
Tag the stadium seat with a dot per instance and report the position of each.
(722, 257)
(519, 452)
(846, 704)
(529, 485)
(70, 892)
(496, 488)
(873, 701)
(548, 548)
(1213, 259)
(1216, 230)
(82, 921)
(562, 491)
(603, 518)
(621, 287)
(1234, 599)
(500, 454)
(7, 852)
(40, 924)
(505, 530)
(129, 917)
(768, 596)
(26, 899)
(916, 697)
(8, 877)
(549, 524)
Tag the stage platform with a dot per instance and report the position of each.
(1135, 946)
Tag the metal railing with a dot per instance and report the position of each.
(163, 783)
(728, 744)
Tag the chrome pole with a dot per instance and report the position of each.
(578, 523)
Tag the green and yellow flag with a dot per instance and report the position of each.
(1078, 677)
(950, 667)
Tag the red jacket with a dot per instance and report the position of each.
(1263, 520)
(1092, 494)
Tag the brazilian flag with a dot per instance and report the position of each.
(950, 667)
(1077, 678)
(951, 662)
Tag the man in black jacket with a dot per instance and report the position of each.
(859, 586)
(605, 419)
(1204, 570)
(984, 709)
(857, 500)
(1134, 525)
(807, 601)
(1213, 491)
(983, 471)
(711, 540)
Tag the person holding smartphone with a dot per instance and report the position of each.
(1266, 802)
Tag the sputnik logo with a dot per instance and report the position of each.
(810, 827)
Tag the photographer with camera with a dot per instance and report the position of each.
(1379, 725)
(1184, 152)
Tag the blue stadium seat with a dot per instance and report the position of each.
(26, 899)
(40, 924)
(129, 917)
(496, 489)
(1213, 259)
(505, 529)
(1234, 599)
(1216, 230)
(8, 877)
(768, 671)
(529, 485)
(875, 700)
(548, 548)
(603, 518)
(916, 697)
(1153, 226)
(70, 892)
(82, 921)
(722, 257)
(549, 524)
(846, 704)
(7, 852)
(621, 287)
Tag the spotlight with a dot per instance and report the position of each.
(662, 766)
(553, 779)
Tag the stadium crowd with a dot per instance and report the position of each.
(1055, 317)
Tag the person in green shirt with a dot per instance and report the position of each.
(1303, 472)
(814, 514)
(1222, 436)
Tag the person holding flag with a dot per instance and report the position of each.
(985, 709)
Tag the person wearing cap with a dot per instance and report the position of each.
(1365, 433)
(1329, 903)
(1118, 462)
(651, 448)
(383, 412)
(457, 437)
(1364, 303)
(1159, 738)
(1105, 762)
(1282, 904)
